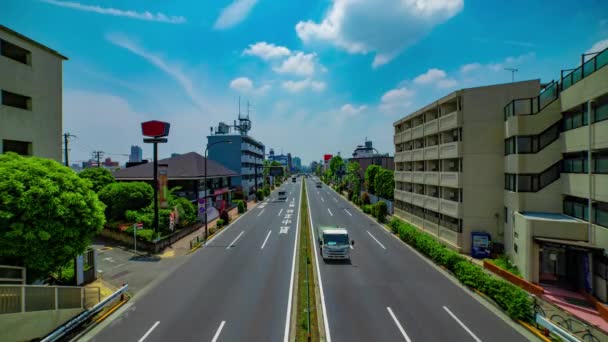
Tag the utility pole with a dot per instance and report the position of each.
(66, 139)
(513, 71)
(98, 155)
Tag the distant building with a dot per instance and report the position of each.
(244, 154)
(367, 155)
(173, 155)
(289, 163)
(282, 159)
(31, 97)
(297, 163)
(136, 155)
(313, 166)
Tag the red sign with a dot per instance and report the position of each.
(327, 157)
(155, 128)
(139, 225)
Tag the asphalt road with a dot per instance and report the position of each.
(387, 292)
(237, 288)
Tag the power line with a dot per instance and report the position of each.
(98, 155)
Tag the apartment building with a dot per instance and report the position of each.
(31, 88)
(449, 163)
(556, 180)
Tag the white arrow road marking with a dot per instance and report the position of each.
(348, 212)
(218, 332)
(261, 212)
(148, 332)
(398, 324)
(280, 211)
(266, 239)
(373, 237)
(322, 199)
(232, 243)
(462, 324)
(284, 230)
(330, 213)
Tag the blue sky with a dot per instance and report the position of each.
(320, 75)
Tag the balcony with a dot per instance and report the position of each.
(450, 150)
(431, 203)
(418, 199)
(418, 154)
(418, 131)
(403, 156)
(451, 179)
(431, 177)
(450, 208)
(431, 152)
(403, 176)
(418, 177)
(450, 121)
(431, 127)
(403, 196)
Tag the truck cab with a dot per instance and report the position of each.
(319, 185)
(293, 179)
(334, 243)
(282, 195)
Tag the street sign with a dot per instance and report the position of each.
(155, 128)
(139, 225)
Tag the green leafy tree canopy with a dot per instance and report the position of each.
(99, 177)
(48, 214)
(122, 196)
(384, 183)
(370, 177)
(352, 176)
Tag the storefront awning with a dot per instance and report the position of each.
(580, 244)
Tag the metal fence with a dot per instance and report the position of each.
(568, 322)
(28, 298)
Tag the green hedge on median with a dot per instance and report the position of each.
(515, 301)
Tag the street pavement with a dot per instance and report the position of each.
(389, 293)
(237, 288)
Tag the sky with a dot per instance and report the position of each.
(320, 76)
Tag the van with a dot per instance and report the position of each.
(282, 195)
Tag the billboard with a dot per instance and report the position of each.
(163, 185)
(276, 171)
(327, 157)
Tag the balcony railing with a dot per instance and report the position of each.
(589, 67)
(532, 105)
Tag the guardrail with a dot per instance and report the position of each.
(28, 298)
(82, 317)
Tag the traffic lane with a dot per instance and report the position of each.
(211, 269)
(437, 290)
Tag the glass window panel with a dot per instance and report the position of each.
(601, 216)
(601, 164)
(577, 75)
(602, 59)
(589, 67)
(577, 210)
(577, 121)
(601, 112)
(524, 145)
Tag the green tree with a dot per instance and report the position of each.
(48, 214)
(353, 182)
(318, 170)
(122, 196)
(384, 183)
(98, 176)
(370, 178)
(335, 165)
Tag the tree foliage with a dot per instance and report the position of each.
(99, 177)
(384, 183)
(336, 163)
(122, 196)
(352, 180)
(370, 178)
(48, 214)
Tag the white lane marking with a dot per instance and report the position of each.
(232, 243)
(373, 237)
(280, 211)
(348, 212)
(316, 257)
(351, 247)
(266, 239)
(261, 212)
(293, 268)
(322, 199)
(398, 324)
(335, 199)
(462, 324)
(330, 213)
(218, 332)
(148, 332)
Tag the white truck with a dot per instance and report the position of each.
(282, 195)
(334, 243)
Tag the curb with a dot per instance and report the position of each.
(110, 311)
(535, 331)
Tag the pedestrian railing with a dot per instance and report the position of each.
(29, 298)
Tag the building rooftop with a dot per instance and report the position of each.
(31, 41)
(548, 216)
(186, 166)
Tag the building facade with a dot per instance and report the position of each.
(366, 155)
(136, 155)
(297, 163)
(449, 163)
(31, 90)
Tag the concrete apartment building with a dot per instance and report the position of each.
(31, 88)
(513, 160)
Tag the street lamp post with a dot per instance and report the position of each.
(205, 182)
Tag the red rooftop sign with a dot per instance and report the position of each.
(155, 128)
(327, 157)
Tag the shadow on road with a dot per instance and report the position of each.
(146, 258)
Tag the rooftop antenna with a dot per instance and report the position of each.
(513, 71)
(239, 106)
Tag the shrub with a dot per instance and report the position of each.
(259, 194)
(394, 224)
(367, 208)
(355, 199)
(219, 223)
(503, 262)
(266, 191)
(365, 198)
(123, 196)
(241, 206)
(381, 209)
(225, 216)
(98, 176)
(187, 211)
(146, 234)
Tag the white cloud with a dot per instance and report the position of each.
(158, 17)
(351, 110)
(298, 86)
(173, 71)
(245, 86)
(598, 47)
(470, 67)
(300, 64)
(266, 51)
(431, 76)
(396, 101)
(511, 61)
(234, 14)
(385, 27)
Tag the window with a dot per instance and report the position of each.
(510, 181)
(515, 247)
(525, 144)
(575, 162)
(576, 207)
(16, 100)
(600, 213)
(23, 148)
(14, 52)
(506, 213)
(600, 162)
(600, 112)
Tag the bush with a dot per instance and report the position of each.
(367, 208)
(266, 191)
(225, 216)
(146, 234)
(394, 225)
(98, 176)
(259, 194)
(355, 199)
(503, 262)
(365, 198)
(123, 196)
(186, 210)
(219, 223)
(381, 209)
(241, 206)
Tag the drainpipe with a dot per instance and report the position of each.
(590, 142)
